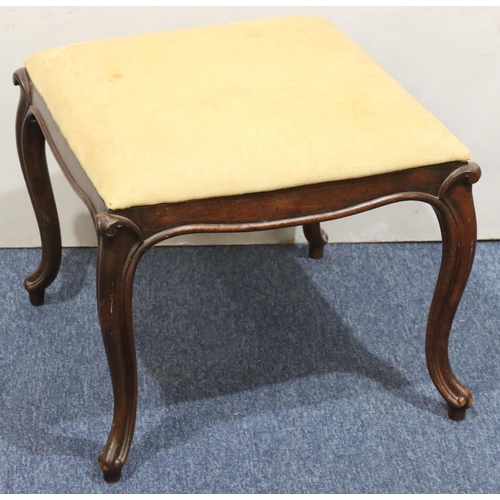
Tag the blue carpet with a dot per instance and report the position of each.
(260, 371)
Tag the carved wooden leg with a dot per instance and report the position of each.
(118, 244)
(458, 228)
(317, 239)
(31, 150)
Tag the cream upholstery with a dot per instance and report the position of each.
(232, 109)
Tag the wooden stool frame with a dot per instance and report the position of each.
(124, 235)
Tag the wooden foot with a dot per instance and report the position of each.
(317, 239)
(457, 414)
(31, 151)
(455, 211)
(37, 297)
(119, 241)
(111, 475)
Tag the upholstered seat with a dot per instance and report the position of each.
(232, 109)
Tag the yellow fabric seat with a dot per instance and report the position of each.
(232, 109)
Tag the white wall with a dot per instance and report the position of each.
(448, 58)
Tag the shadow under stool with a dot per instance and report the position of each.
(239, 127)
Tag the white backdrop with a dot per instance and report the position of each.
(448, 58)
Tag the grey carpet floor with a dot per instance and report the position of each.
(260, 371)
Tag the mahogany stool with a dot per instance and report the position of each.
(239, 127)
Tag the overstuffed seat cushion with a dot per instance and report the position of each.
(232, 109)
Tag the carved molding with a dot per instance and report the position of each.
(21, 78)
(471, 172)
(108, 224)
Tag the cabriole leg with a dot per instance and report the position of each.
(458, 228)
(31, 150)
(317, 239)
(115, 272)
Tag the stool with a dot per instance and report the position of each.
(239, 127)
